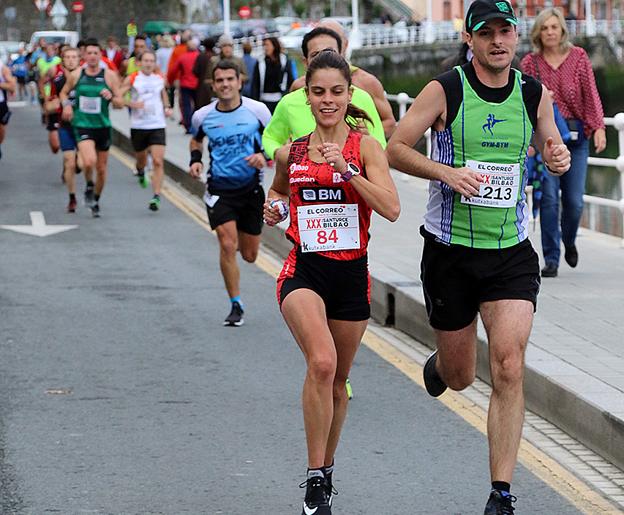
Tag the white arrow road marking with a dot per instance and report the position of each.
(38, 227)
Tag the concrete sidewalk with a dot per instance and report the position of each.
(575, 358)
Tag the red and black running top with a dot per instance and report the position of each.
(313, 183)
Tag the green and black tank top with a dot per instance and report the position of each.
(490, 136)
(91, 109)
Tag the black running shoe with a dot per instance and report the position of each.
(235, 318)
(330, 491)
(89, 196)
(433, 382)
(500, 504)
(316, 501)
(95, 210)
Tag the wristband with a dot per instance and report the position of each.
(350, 172)
(66, 102)
(196, 157)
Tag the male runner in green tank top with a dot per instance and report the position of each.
(477, 257)
(95, 89)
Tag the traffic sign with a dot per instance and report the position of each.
(77, 6)
(42, 5)
(244, 12)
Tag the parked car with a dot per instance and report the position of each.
(293, 38)
(55, 36)
(285, 23)
(8, 50)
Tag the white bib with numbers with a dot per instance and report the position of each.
(500, 186)
(90, 105)
(324, 227)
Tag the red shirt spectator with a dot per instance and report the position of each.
(573, 85)
(183, 70)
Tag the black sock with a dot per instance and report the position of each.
(96, 198)
(156, 195)
(501, 486)
(141, 171)
(72, 196)
(90, 185)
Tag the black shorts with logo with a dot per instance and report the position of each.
(5, 114)
(102, 137)
(145, 138)
(344, 285)
(457, 279)
(245, 207)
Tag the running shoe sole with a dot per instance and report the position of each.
(234, 324)
(433, 383)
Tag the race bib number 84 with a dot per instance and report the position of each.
(324, 227)
(501, 183)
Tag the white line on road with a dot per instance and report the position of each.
(38, 226)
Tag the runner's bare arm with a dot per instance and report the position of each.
(196, 167)
(165, 102)
(377, 188)
(548, 140)
(280, 188)
(70, 83)
(112, 81)
(428, 110)
(374, 88)
(8, 82)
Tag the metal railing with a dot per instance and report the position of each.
(376, 36)
(403, 100)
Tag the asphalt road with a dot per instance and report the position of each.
(121, 392)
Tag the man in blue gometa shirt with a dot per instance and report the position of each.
(234, 195)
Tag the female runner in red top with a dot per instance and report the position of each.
(332, 179)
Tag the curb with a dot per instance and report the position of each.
(396, 301)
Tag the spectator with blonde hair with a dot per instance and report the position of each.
(567, 72)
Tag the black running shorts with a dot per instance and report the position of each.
(246, 209)
(53, 122)
(343, 285)
(101, 136)
(457, 279)
(145, 138)
(5, 114)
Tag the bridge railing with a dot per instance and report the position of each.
(403, 100)
(376, 36)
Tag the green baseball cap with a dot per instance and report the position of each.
(481, 11)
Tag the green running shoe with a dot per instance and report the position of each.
(154, 204)
(143, 180)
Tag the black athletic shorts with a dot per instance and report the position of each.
(53, 122)
(101, 136)
(5, 114)
(245, 208)
(343, 285)
(144, 138)
(457, 279)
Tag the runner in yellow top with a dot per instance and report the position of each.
(293, 118)
(361, 79)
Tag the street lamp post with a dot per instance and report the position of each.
(354, 36)
(429, 34)
(589, 19)
(226, 17)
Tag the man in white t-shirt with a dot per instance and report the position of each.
(149, 107)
